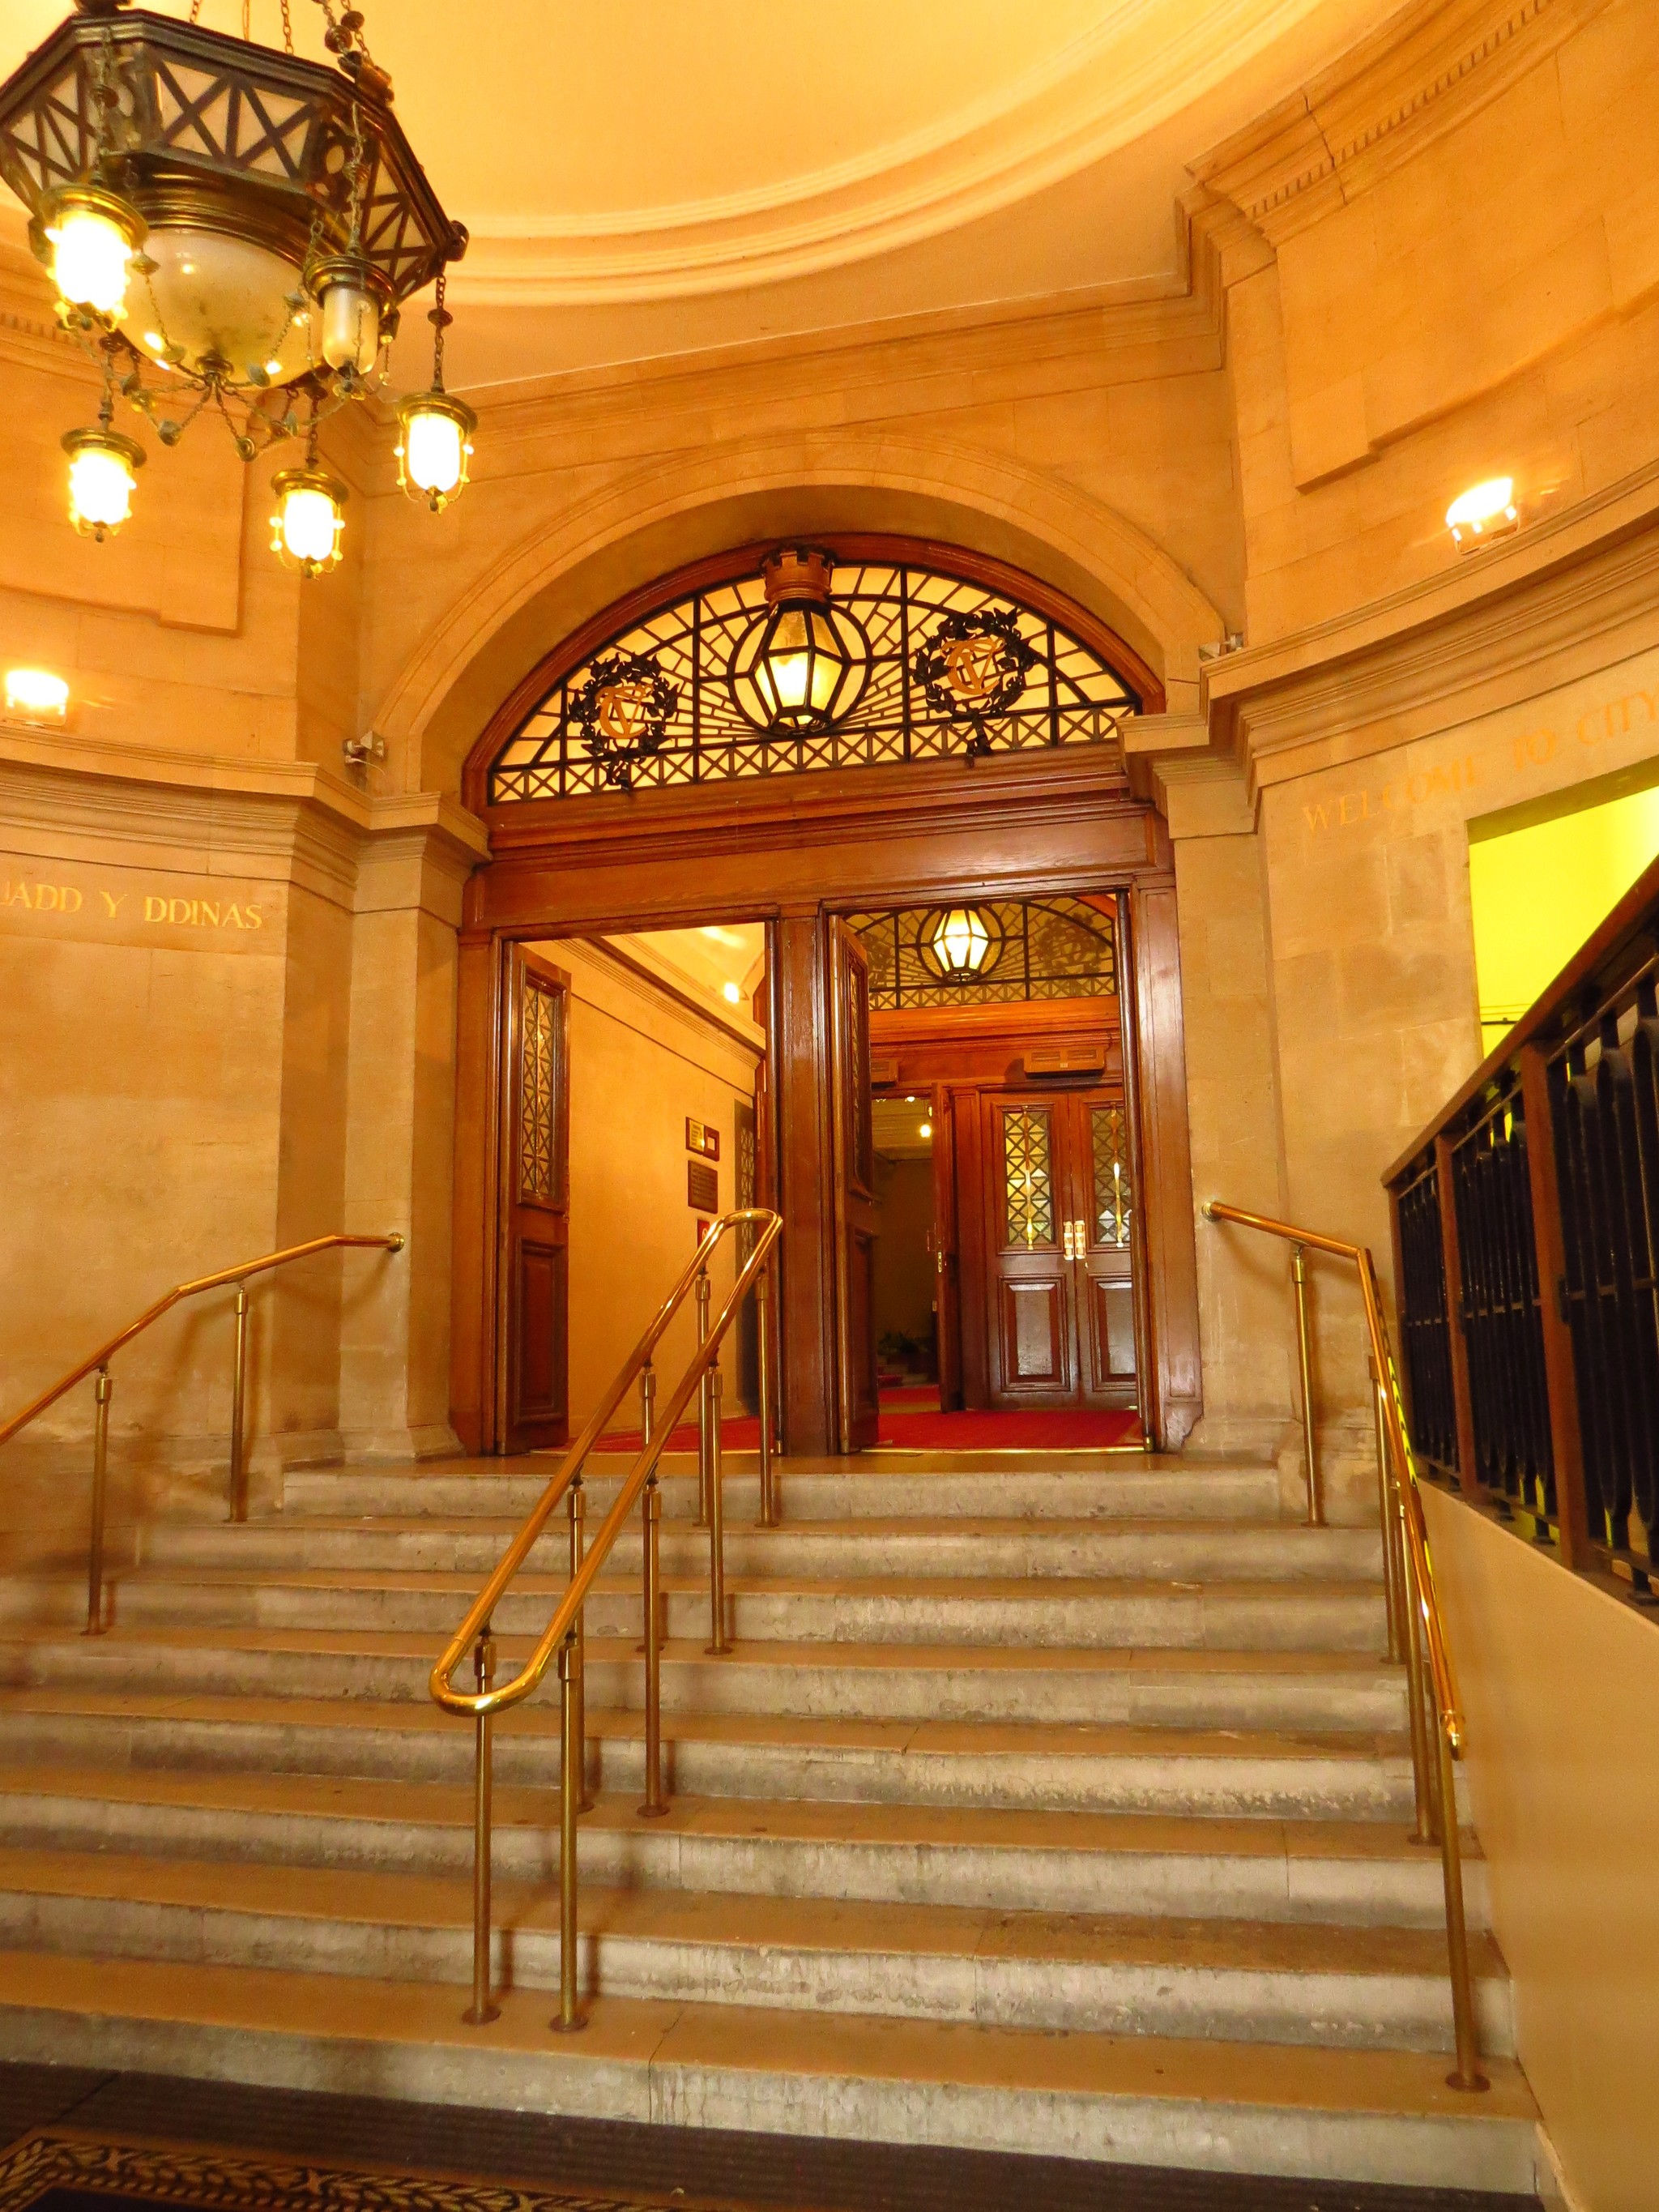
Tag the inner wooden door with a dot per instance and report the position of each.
(1057, 1210)
(534, 1409)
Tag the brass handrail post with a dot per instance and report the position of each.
(569, 1794)
(99, 1486)
(720, 1644)
(1416, 1692)
(238, 1411)
(651, 1521)
(703, 1404)
(1304, 1356)
(481, 2010)
(578, 1519)
(1388, 1523)
(769, 1496)
(647, 1400)
(1465, 2025)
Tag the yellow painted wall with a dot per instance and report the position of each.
(639, 1066)
(1560, 1687)
(1538, 892)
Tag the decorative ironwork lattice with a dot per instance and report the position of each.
(1027, 1175)
(1031, 683)
(536, 1145)
(1113, 1193)
(1052, 948)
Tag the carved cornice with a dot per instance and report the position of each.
(286, 821)
(1428, 69)
(1574, 592)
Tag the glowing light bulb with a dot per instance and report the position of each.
(1485, 510)
(435, 445)
(100, 480)
(732, 992)
(35, 694)
(306, 528)
(925, 1130)
(94, 236)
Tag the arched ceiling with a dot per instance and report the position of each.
(643, 176)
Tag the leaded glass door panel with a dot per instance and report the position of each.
(534, 1409)
(1030, 1321)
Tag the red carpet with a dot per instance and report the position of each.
(928, 1430)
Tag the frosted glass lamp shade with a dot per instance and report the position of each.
(307, 526)
(94, 235)
(434, 444)
(102, 464)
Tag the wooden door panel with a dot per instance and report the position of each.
(1035, 1335)
(535, 1089)
(947, 1321)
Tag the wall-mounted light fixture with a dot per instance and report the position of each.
(1484, 511)
(35, 694)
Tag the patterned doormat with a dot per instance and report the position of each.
(62, 2173)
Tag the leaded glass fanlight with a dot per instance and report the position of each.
(1044, 948)
(893, 661)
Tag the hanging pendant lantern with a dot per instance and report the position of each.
(960, 944)
(101, 479)
(252, 249)
(309, 520)
(802, 665)
(434, 430)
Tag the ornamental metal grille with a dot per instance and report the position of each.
(1114, 1196)
(1027, 1183)
(953, 668)
(1052, 948)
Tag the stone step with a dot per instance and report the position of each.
(1030, 1767)
(1085, 1486)
(1157, 2101)
(1259, 1981)
(1345, 1873)
(1137, 1551)
(979, 1610)
(1323, 1690)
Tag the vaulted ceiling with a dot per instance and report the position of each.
(644, 177)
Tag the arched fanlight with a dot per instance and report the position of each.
(960, 944)
(802, 664)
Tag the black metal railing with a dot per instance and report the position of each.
(1526, 1236)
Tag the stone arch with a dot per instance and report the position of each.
(658, 517)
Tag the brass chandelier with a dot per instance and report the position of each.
(232, 230)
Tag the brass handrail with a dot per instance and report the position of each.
(563, 1634)
(1417, 1630)
(97, 1363)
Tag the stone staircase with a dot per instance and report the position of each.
(1060, 1807)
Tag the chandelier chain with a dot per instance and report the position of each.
(441, 319)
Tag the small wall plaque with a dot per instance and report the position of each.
(700, 1137)
(702, 1187)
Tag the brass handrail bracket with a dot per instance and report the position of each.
(1417, 1630)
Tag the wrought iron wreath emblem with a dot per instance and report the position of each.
(623, 711)
(972, 668)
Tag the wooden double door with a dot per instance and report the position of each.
(1057, 1234)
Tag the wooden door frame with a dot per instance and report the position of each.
(791, 851)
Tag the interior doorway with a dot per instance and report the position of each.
(1008, 1274)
